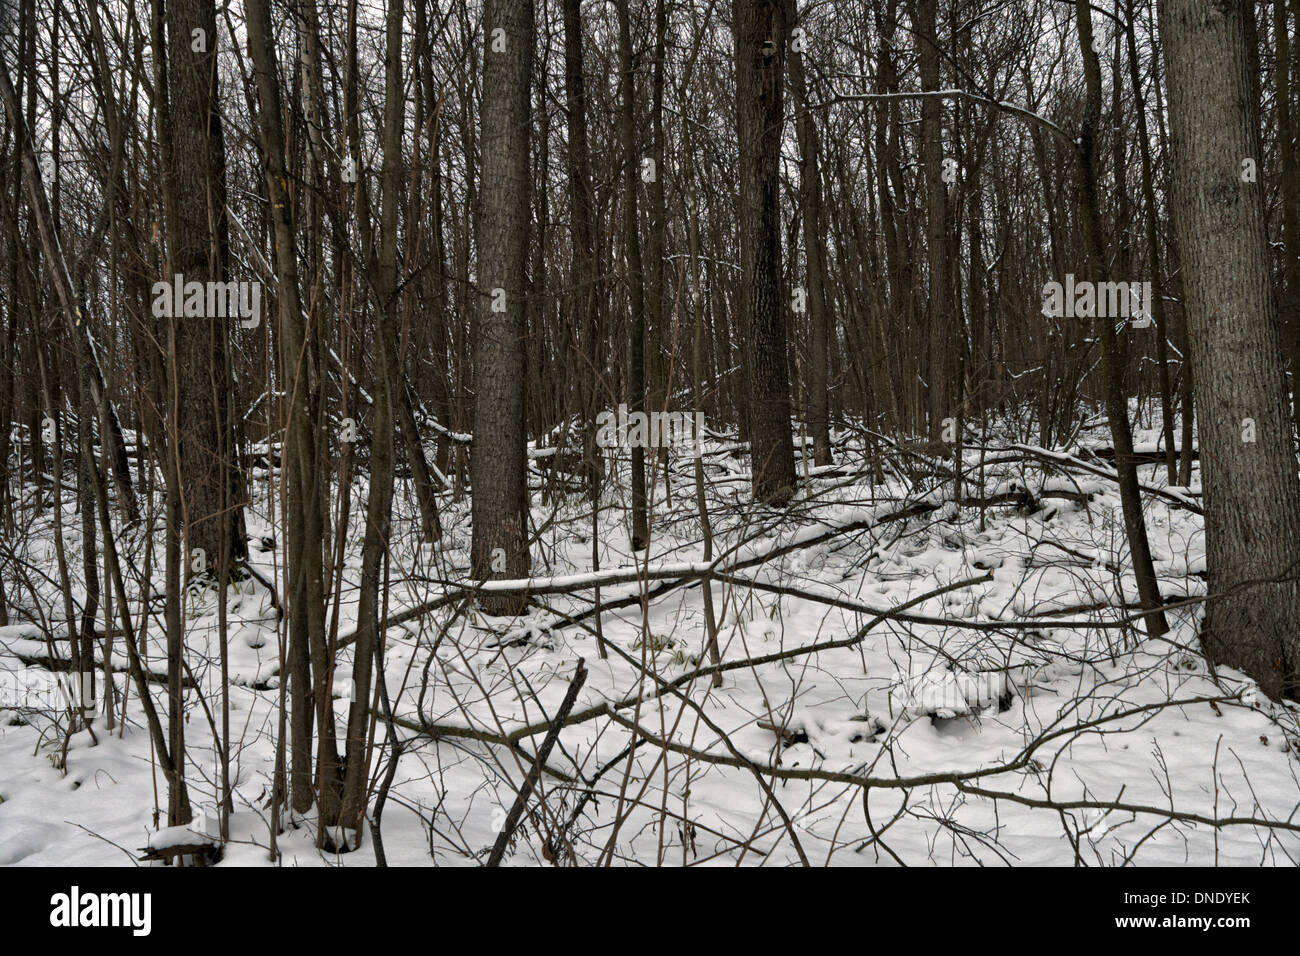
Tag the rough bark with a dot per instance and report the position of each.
(760, 47)
(1252, 496)
(497, 460)
(937, 247)
(194, 199)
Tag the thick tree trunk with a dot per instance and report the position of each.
(194, 197)
(760, 42)
(498, 457)
(1248, 469)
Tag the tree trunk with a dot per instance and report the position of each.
(1112, 368)
(760, 41)
(636, 371)
(810, 206)
(1290, 189)
(1152, 212)
(383, 270)
(497, 459)
(1248, 470)
(194, 197)
(309, 667)
(938, 253)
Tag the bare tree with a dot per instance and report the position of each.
(636, 366)
(309, 669)
(374, 549)
(759, 28)
(940, 378)
(1116, 397)
(194, 195)
(814, 244)
(497, 463)
(1252, 496)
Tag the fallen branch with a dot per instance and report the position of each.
(534, 772)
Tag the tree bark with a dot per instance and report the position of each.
(760, 44)
(940, 392)
(194, 198)
(636, 371)
(497, 459)
(1252, 496)
(1290, 189)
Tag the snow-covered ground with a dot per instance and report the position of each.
(1011, 717)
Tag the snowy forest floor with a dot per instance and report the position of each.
(904, 682)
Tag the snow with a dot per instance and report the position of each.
(1042, 743)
